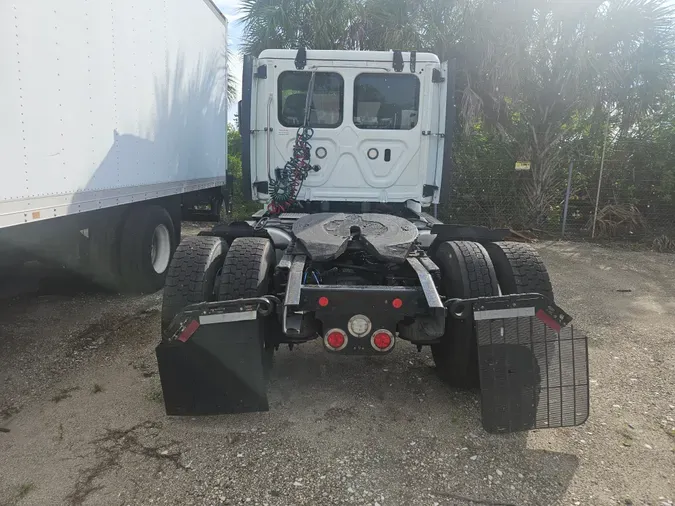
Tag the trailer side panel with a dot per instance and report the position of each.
(107, 103)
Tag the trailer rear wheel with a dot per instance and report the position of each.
(192, 275)
(467, 271)
(519, 268)
(247, 272)
(147, 243)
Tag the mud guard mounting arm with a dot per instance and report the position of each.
(292, 322)
(211, 312)
(294, 284)
(510, 306)
(428, 285)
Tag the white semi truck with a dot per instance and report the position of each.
(346, 149)
(113, 125)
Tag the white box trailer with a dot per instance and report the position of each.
(113, 125)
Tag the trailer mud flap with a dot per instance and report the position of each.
(211, 360)
(533, 368)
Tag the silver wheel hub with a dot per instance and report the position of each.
(160, 249)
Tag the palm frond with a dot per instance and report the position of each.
(232, 80)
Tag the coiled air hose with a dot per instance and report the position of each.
(285, 187)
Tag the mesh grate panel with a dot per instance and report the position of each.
(531, 377)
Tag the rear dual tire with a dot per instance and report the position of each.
(472, 270)
(467, 272)
(204, 269)
(519, 269)
(193, 275)
(247, 273)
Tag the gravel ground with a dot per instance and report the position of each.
(81, 401)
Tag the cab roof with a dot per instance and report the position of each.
(340, 55)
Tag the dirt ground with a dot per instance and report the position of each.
(82, 419)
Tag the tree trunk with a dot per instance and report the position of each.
(540, 189)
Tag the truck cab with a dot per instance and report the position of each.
(378, 122)
(346, 148)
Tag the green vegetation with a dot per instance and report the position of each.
(540, 80)
(241, 208)
(25, 489)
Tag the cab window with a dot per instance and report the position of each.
(386, 101)
(327, 100)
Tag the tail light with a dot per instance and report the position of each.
(382, 340)
(335, 339)
(359, 325)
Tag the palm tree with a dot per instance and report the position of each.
(548, 62)
(340, 24)
(232, 80)
(317, 24)
(529, 68)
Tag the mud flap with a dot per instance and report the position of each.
(533, 368)
(211, 360)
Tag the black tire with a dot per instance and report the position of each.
(136, 243)
(192, 275)
(247, 272)
(467, 271)
(520, 269)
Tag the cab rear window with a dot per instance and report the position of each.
(326, 110)
(386, 101)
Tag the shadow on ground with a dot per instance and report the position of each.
(383, 426)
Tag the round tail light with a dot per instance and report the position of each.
(359, 325)
(335, 339)
(382, 340)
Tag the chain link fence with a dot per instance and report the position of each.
(630, 206)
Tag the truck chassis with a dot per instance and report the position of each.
(362, 282)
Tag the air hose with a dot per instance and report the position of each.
(285, 187)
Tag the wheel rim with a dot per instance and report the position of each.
(160, 250)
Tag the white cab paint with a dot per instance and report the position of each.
(347, 173)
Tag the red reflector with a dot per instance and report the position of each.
(382, 340)
(548, 321)
(323, 301)
(189, 329)
(335, 339)
(397, 303)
